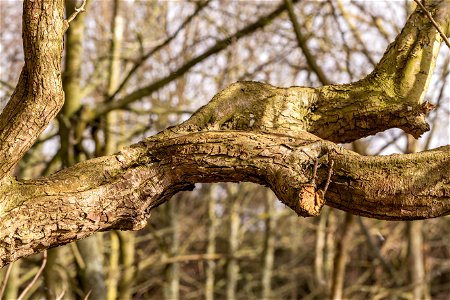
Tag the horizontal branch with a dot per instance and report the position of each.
(338, 113)
(119, 191)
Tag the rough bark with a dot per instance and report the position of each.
(118, 191)
(248, 132)
(38, 95)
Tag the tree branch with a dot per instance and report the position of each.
(436, 25)
(217, 47)
(75, 13)
(390, 97)
(119, 191)
(38, 96)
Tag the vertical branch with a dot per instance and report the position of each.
(415, 246)
(211, 247)
(319, 259)
(38, 96)
(269, 245)
(340, 262)
(233, 242)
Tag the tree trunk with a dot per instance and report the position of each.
(233, 241)
(343, 246)
(211, 247)
(172, 283)
(269, 246)
(415, 247)
(127, 260)
(319, 258)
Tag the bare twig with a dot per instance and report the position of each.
(87, 295)
(77, 255)
(316, 165)
(61, 295)
(330, 172)
(434, 22)
(302, 43)
(5, 280)
(28, 287)
(77, 11)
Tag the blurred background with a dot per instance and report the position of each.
(133, 68)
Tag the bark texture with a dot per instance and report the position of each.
(38, 95)
(118, 191)
(250, 131)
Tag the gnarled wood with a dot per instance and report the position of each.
(118, 191)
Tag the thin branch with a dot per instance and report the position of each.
(5, 280)
(8, 85)
(77, 11)
(28, 287)
(375, 251)
(60, 297)
(330, 172)
(302, 43)
(144, 57)
(216, 48)
(434, 23)
(87, 295)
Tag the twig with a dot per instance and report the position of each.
(330, 172)
(316, 165)
(5, 280)
(28, 287)
(62, 295)
(77, 11)
(434, 22)
(87, 295)
(78, 258)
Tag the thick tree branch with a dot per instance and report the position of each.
(38, 96)
(390, 97)
(339, 113)
(118, 191)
